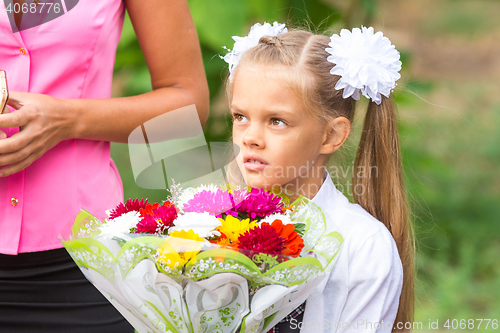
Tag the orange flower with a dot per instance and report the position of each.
(223, 241)
(284, 209)
(293, 242)
(148, 210)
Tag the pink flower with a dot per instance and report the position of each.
(260, 203)
(212, 202)
(156, 219)
(129, 206)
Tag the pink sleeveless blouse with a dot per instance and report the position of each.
(71, 56)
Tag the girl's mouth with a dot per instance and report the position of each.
(254, 164)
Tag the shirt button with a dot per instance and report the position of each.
(14, 201)
(22, 50)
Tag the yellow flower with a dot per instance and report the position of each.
(168, 255)
(176, 251)
(187, 249)
(233, 228)
(190, 234)
(172, 259)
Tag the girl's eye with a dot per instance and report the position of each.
(238, 117)
(278, 122)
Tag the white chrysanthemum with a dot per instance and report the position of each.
(203, 224)
(365, 61)
(209, 187)
(185, 196)
(242, 44)
(121, 225)
(285, 218)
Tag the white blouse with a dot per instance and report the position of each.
(363, 289)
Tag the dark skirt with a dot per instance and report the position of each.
(46, 292)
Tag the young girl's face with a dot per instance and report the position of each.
(280, 143)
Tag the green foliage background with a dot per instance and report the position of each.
(448, 127)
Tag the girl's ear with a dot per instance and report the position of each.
(336, 132)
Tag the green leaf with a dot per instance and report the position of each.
(300, 228)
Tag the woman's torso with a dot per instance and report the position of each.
(68, 55)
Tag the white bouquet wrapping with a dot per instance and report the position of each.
(183, 267)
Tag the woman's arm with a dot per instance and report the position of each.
(168, 39)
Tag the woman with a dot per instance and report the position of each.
(54, 145)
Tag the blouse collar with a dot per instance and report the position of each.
(330, 199)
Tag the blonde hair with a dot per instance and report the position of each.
(384, 194)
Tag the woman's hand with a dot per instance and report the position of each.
(44, 121)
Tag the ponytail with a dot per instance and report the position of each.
(381, 191)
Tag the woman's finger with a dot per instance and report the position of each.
(15, 143)
(16, 157)
(3, 135)
(17, 99)
(16, 167)
(14, 119)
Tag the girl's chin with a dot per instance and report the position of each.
(264, 184)
(257, 184)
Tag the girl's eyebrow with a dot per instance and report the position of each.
(279, 113)
(268, 112)
(234, 108)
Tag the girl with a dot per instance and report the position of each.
(292, 97)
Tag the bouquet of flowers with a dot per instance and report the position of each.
(207, 259)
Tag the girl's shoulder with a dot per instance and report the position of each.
(369, 253)
(352, 221)
(355, 220)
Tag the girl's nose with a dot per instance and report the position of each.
(253, 137)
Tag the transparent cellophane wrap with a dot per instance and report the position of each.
(219, 290)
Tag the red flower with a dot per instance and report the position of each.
(156, 218)
(263, 239)
(129, 206)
